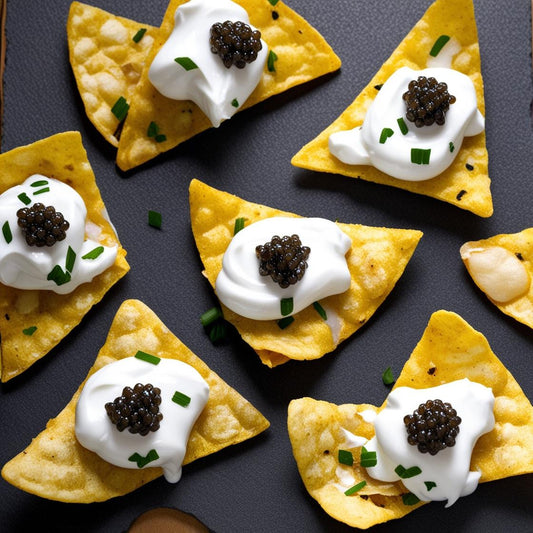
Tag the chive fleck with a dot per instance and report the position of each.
(387, 377)
(286, 306)
(58, 276)
(409, 499)
(6, 230)
(210, 316)
(71, 258)
(153, 129)
(235, 102)
(272, 57)
(439, 43)
(160, 138)
(29, 331)
(186, 62)
(355, 488)
(285, 322)
(40, 183)
(23, 197)
(469, 166)
(430, 485)
(378, 86)
(218, 332)
(41, 191)
(120, 108)
(406, 473)
(345, 457)
(181, 399)
(139, 35)
(402, 125)
(420, 156)
(154, 219)
(385, 134)
(94, 253)
(320, 310)
(143, 461)
(239, 224)
(368, 459)
(149, 358)
(273, 2)
(460, 194)
(452, 147)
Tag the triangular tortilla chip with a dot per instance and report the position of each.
(57, 467)
(377, 259)
(465, 183)
(62, 157)
(450, 349)
(302, 54)
(106, 61)
(520, 244)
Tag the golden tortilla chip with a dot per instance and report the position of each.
(450, 349)
(465, 183)
(62, 157)
(106, 61)
(57, 467)
(376, 261)
(521, 245)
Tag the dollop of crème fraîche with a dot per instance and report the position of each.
(185, 68)
(67, 259)
(183, 395)
(388, 141)
(241, 287)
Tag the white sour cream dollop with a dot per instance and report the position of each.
(28, 267)
(240, 287)
(96, 432)
(362, 146)
(449, 469)
(218, 91)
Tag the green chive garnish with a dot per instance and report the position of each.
(139, 35)
(385, 134)
(273, 2)
(154, 219)
(439, 43)
(218, 332)
(286, 306)
(6, 230)
(41, 191)
(409, 499)
(430, 485)
(40, 183)
(284, 322)
(345, 457)
(368, 459)
(469, 166)
(143, 461)
(452, 147)
(29, 331)
(181, 399)
(420, 156)
(58, 276)
(402, 125)
(387, 377)
(235, 102)
(153, 129)
(239, 224)
(94, 253)
(120, 108)
(320, 310)
(149, 358)
(406, 473)
(71, 258)
(355, 488)
(186, 62)
(23, 197)
(272, 57)
(210, 316)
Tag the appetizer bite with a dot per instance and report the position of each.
(501, 266)
(60, 252)
(148, 90)
(456, 417)
(148, 406)
(294, 287)
(419, 123)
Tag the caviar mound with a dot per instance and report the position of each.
(42, 225)
(284, 259)
(137, 409)
(235, 43)
(432, 427)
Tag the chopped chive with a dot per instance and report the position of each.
(402, 125)
(235, 102)
(409, 499)
(406, 473)
(385, 134)
(439, 43)
(58, 276)
(153, 129)
(218, 332)
(239, 224)
(345, 457)
(210, 316)
(320, 310)
(154, 219)
(368, 459)
(272, 57)
(29, 331)
(160, 138)
(40, 183)
(149, 358)
(186, 62)
(452, 147)
(139, 35)
(6, 230)
(420, 156)
(430, 485)
(120, 108)
(469, 166)
(273, 2)
(378, 86)
(41, 191)
(94, 253)
(23, 197)
(286, 306)
(355, 488)
(143, 461)
(387, 377)
(181, 399)
(71, 258)
(460, 194)
(284, 322)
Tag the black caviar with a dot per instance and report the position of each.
(427, 101)
(137, 409)
(432, 427)
(42, 225)
(235, 43)
(284, 259)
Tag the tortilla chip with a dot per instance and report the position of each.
(520, 244)
(450, 349)
(106, 62)
(57, 467)
(465, 183)
(62, 157)
(376, 261)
